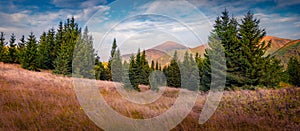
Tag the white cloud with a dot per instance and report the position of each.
(26, 21)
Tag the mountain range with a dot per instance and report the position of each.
(281, 48)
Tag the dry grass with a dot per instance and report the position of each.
(42, 101)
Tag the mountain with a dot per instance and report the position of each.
(161, 53)
(152, 54)
(169, 46)
(289, 50)
(199, 49)
(276, 43)
(164, 52)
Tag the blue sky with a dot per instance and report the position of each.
(145, 23)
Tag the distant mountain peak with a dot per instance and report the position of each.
(169, 46)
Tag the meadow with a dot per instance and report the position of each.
(44, 101)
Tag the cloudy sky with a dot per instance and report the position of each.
(145, 23)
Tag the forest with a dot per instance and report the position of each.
(245, 65)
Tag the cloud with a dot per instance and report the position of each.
(285, 3)
(77, 3)
(26, 21)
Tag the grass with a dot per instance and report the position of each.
(43, 101)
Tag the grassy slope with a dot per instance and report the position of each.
(286, 52)
(40, 100)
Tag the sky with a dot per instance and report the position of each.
(145, 23)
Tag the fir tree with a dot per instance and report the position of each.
(145, 70)
(30, 55)
(189, 73)
(226, 30)
(173, 72)
(21, 49)
(100, 71)
(293, 71)
(70, 35)
(152, 65)
(116, 67)
(51, 43)
(44, 56)
(133, 76)
(253, 62)
(156, 66)
(84, 58)
(112, 53)
(12, 50)
(214, 66)
(2, 48)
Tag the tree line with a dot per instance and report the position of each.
(245, 64)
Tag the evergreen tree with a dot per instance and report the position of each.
(189, 72)
(156, 66)
(12, 50)
(112, 53)
(57, 42)
(226, 30)
(271, 72)
(2, 48)
(30, 55)
(125, 76)
(133, 75)
(21, 49)
(145, 70)
(293, 71)
(253, 61)
(214, 66)
(84, 58)
(116, 67)
(70, 35)
(152, 65)
(100, 71)
(199, 62)
(44, 49)
(51, 43)
(173, 72)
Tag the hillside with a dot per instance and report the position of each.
(43, 101)
(289, 50)
(276, 43)
(169, 46)
(164, 52)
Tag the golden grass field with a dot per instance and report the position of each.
(43, 101)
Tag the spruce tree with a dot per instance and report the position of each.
(127, 84)
(21, 49)
(152, 65)
(189, 73)
(70, 34)
(100, 71)
(116, 67)
(214, 66)
(51, 43)
(44, 49)
(12, 50)
(253, 62)
(83, 57)
(156, 66)
(293, 71)
(145, 70)
(133, 76)
(112, 53)
(227, 31)
(2, 47)
(30, 55)
(173, 72)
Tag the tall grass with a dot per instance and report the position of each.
(43, 101)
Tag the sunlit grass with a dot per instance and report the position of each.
(43, 101)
